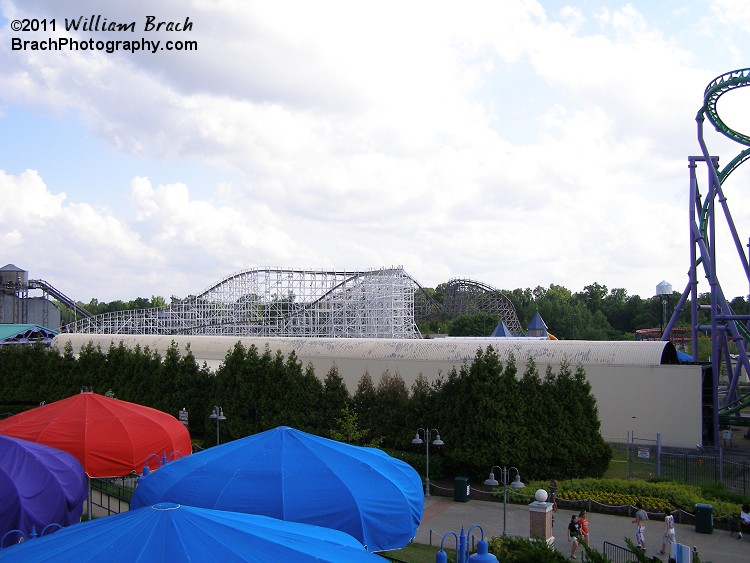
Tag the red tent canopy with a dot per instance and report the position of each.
(110, 438)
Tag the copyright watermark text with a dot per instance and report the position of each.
(99, 24)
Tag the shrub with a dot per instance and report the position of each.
(511, 549)
(655, 496)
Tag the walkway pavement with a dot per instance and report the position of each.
(443, 515)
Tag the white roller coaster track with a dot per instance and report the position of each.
(280, 302)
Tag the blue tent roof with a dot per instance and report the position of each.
(26, 334)
(501, 331)
(170, 532)
(294, 476)
(537, 326)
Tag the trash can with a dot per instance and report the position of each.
(461, 490)
(704, 519)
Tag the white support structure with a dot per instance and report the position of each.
(280, 302)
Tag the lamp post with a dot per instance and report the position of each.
(218, 415)
(516, 484)
(427, 433)
(631, 446)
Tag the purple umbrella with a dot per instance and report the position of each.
(39, 485)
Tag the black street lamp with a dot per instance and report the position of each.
(427, 433)
(516, 484)
(218, 415)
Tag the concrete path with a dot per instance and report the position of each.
(443, 515)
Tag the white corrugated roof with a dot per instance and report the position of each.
(440, 349)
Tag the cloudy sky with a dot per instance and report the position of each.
(518, 143)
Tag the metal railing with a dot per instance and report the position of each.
(692, 467)
(616, 553)
(112, 496)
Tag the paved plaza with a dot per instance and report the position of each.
(443, 514)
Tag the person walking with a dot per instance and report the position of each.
(744, 520)
(583, 520)
(669, 535)
(553, 494)
(574, 535)
(641, 517)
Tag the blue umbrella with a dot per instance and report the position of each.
(172, 532)
(294, 476)
(39, 485)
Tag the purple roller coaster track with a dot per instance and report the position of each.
(728, 329)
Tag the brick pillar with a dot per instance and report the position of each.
(540, 518)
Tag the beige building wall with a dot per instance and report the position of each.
(649, 399)
(633, 390)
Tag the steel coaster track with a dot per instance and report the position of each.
(715, 90)
(724, 322)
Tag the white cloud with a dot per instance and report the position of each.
(26, 200)
(502, 141)
(89, 250)
(189, 228)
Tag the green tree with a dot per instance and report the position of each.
(193, 385)
(531, 447)
(335, 393)
(523, 302)
(347, 429)
(91, 364)
(234, 382)
(473, 407)
(364, 404)
(421, 403)
(479, 324)
(390, 404)
(568, 318)
(307, 410)
(593, 296)
(573, 406)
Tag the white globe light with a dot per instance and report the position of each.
(541, 495)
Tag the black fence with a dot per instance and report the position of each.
(647, 459)
(618, 554)
(111, 496)
(697, 469)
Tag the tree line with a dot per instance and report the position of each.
(595, 313)
(487, 413)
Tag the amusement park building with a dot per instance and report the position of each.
(365, 322)
(634, 382)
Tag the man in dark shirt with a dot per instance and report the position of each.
(574, 535)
